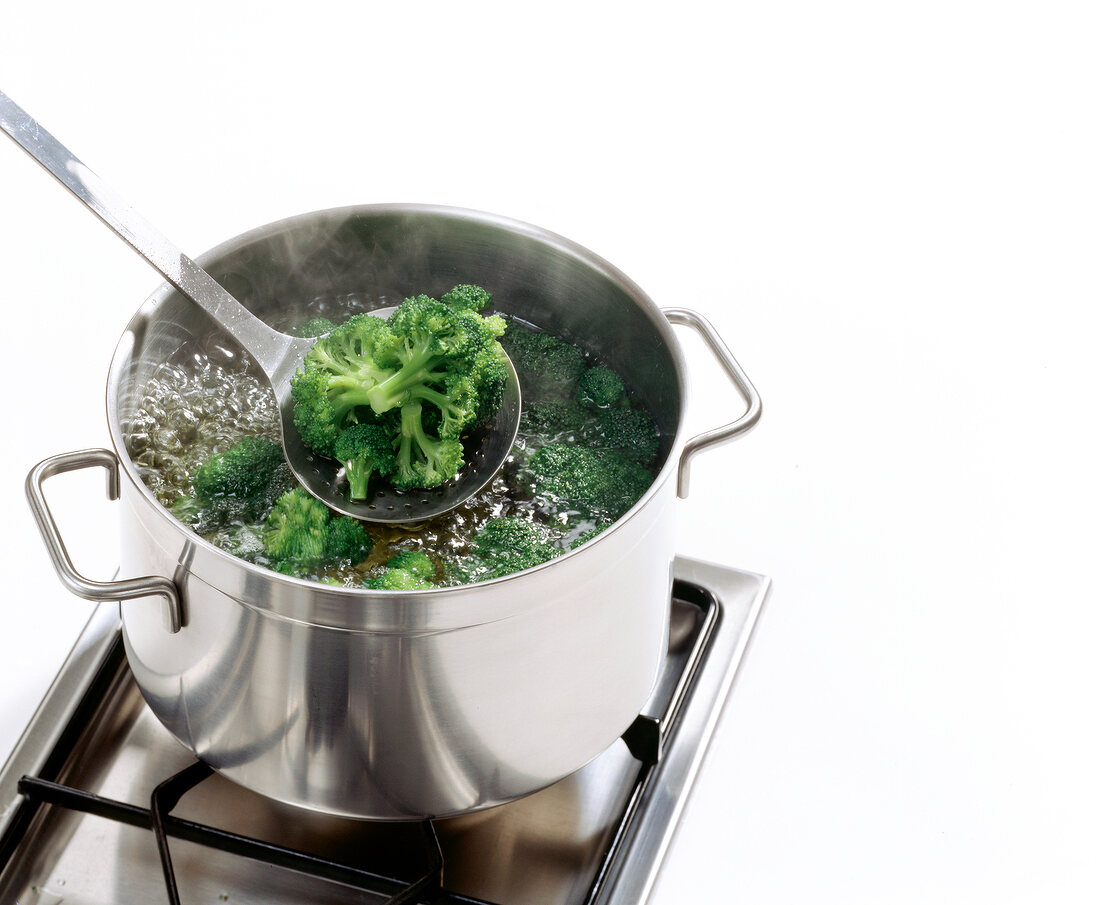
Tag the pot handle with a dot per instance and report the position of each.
(126, 589)
(688, 318)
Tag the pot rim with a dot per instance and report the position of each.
(400, 598)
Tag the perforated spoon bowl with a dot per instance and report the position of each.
(276, 354)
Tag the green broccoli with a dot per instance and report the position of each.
(301, 534)
(629, 431)
(315, 326)
(551, 417)
(585, 537)
(471, 298)
(366, 450)
(239, 485)
(599, 387)
(398, 580)
(330, 390)
(601, 484)
(548, 367)
(503, 546)
(421, 459)
(409, 570)
(417, 562)
(430, 372)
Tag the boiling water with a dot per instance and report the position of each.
(211, 395)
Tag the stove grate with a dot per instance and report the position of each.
(425, 889)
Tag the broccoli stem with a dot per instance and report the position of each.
(416, 369)
(358, 473)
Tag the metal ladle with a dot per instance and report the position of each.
(277, 354)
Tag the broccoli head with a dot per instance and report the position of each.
(398, 580)
(427, 374)
(599, 387)
(330, 391)
(601, 484)
(239, 485)
(629, 431)
(470, 298)
(548, 367)
(588, 535)
(365, 450)
(550, 417)
(503, 546)
(315, 326)
(301, 534)
(409, 570)
(417, 562)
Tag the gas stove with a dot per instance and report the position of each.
(100, 805)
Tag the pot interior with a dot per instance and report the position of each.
(378, 255)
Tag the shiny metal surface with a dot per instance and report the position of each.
(560, 846)
(276, 354)
(395, 706)
(736, 374)
(126, 589)
(400, 705)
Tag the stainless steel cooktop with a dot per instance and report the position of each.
(75, 794)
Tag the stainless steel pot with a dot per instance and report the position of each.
(401, 705)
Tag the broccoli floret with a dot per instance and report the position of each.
(366, 450)
(548, 367)
(423, 460)
(588, 535)
(239, 485)
(630, 431)
(316, 326)
(398, 580)
(448, 357)
(503, 546)
(301, 533)
(345, 538)
(427, 374)
(599, 387)
(471, 298)
(554, 416)
(409, 570)
(416, 562)
(330, 392)
(597, 483)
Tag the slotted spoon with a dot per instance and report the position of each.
(276, 354)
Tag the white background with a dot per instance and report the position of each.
(890, 212)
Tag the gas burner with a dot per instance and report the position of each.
(95, 772)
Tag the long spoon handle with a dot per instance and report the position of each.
(266, 346)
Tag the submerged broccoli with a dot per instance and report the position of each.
(366, 450)
(599, 387)
(417, 562)
(548, 367)
(629, 431)
(503, 546)
(553, 416)
(316, 326)
(601, 484)
(430, 372)
(588, 535)
(301, 534)
(239, 485)
(409, 570)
